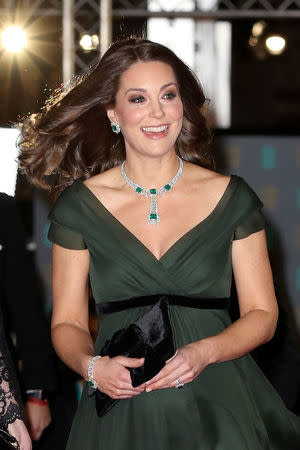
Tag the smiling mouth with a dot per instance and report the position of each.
(159, 129)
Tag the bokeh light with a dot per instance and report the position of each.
(88, 42)
(258, 28)
(13, 39)
(275, 44)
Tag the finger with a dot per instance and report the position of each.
(129, 387)
(129, 362)
(125, 377)
(35, 435)
(126, 383)
(116, 394)
(123, 397)
(127, 392)
(168, 380)
(120, 387)
(184, 379)
(172, 357)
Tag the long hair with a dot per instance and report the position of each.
(71, 136)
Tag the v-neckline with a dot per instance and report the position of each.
(196, 227)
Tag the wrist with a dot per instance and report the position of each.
(37, 401)
(91, 380)
(85, 366)
(208, 352)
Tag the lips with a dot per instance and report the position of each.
(155, 132)
(156, 129)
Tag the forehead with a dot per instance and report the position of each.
(147, 74)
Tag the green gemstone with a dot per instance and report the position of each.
(167, 187)
(153, 216)
(138, 190)
(152, 191)
(114, 128)
(90, 383)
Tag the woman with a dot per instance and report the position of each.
(114, 136)
(21, 305)
(11, 415)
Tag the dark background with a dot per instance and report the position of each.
(265, 88)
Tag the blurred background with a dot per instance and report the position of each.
(246, 55)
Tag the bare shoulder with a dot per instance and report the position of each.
(110, 179)
(208, 181)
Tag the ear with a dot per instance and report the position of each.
(111, 115)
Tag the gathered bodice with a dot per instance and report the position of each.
(121, 266)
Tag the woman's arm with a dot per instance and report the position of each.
(19, 431)
(70, 326)
(257, 324)
(257, 302)
(70, 331)
(11, 411)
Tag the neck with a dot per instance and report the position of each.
(151, 172)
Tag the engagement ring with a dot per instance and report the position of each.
(178, 385)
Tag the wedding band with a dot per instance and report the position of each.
(178, 384)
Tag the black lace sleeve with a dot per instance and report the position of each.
(10, 402)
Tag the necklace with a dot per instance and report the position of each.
(153, 217)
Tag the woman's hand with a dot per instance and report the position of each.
(187, 363)
(38, 418)
(113, 377)
(19, 431)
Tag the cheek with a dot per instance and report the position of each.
(176, 111)
(131, 116)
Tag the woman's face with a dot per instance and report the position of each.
(148, 108)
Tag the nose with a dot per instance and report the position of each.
(156, 110)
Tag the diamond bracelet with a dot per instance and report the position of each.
(91, 381)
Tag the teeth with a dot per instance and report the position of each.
(155, 129)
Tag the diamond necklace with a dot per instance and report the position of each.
(153, 217)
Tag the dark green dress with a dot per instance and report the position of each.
(231, 405)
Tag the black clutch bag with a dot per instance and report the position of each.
(149, 337)
(7, 441)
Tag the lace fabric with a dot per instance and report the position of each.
(10, 403)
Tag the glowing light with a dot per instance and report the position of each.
(275, 44)
(89, 43)
(13, 39)
(253, 41)
(258, 28)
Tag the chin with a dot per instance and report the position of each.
(159, 153)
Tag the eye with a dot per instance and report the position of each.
(137, 99)
(169, 95)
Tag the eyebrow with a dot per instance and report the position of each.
(145, 90)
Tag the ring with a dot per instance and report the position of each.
(178, 384)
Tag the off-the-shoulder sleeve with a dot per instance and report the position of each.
(63, 222)
(252, 218)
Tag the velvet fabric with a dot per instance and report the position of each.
(149, 337)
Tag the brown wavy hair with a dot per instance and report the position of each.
(71, 137)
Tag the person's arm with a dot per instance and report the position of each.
(70, 332)
(23, 306)
(257, 301)
(19, 431)
(38, 418)
(256, 325)
(11, 412)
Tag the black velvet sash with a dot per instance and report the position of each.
(148, 300)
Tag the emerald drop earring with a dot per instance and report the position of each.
(115, 127)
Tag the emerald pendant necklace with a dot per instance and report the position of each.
(153, 217)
